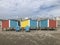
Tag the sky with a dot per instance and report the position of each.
(29, 8)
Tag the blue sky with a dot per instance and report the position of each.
(29, 8)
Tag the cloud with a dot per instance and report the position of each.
(49, 8)
(28, 8)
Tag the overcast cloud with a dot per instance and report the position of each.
(29, 8)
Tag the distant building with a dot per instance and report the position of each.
(58, 21)
(58, 18)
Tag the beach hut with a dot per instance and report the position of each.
(58, 22)
(47, 24)
(9, 24)
(32, 24)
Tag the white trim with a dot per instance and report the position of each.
(29, 23)
(48, 22)
(9, 23)
(37, 24)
